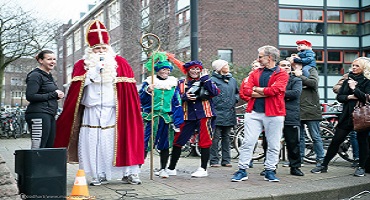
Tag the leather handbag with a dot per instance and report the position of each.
(361, 115)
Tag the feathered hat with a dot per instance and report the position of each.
(160, 62)
(192, 64)
(97, 34)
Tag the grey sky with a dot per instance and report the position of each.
(61, 10)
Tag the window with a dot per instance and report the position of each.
(366, 28)
(334, 16)
(77, 39)
(351, 16)
(308, 21)
(312, 15)
(100, 17)
(225, 54)
(69, 45)
(85, 27)
(366, 16)
(182, 4)
(145, 17)
(116, 47)
(16, 81)
(290, 14)
(114, 10)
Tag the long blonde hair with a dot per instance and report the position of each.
(364, 63)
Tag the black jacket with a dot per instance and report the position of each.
(292, 99)
(362, 88)
(41, 93)
(225, 102)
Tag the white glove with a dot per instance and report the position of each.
(99, 67)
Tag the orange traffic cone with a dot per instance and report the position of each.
(80, 190)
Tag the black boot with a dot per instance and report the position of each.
(295, 171)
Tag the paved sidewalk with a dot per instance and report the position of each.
(338, 183)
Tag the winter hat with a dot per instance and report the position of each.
(305, 42)
(192, 64)
(217, 65)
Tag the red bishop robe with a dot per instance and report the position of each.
(129, 137)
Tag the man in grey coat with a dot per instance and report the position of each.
(225, 112)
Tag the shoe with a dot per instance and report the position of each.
(359, 172)
(134, 179)
(103, 180)
(240, 175)
(295, 171)
(286, 164)
(263, 173)
(251, 164)
(320, 169)
(171, 172)
(163, 173)
(215, 165)
(200, 173)
(125, 180)
(95, 182)
(156, 173)
(270, 176)
(355, 163)
(227, 165)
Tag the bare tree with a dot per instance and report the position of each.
(21, 35)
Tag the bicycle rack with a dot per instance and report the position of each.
(360, 195)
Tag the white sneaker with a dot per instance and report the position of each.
(95, 182)
(200, 173)
(163, 173)
(156, 172)
(172, 172)
(134, 179)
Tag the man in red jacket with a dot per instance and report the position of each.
(101, 123)
(266, 110)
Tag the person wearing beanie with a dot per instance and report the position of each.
(199, 114)
(225, 110)
(167, 113)
(305, 56)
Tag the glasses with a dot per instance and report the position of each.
(284, 65)
(259, 57)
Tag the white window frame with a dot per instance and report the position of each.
(77, 39)
(114, 15)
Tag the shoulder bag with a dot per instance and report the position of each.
(361, 115)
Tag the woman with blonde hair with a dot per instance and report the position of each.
(354, 89)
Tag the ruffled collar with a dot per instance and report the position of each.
(165, 84)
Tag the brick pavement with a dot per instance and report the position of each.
(338, 183)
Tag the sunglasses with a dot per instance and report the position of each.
(284, 65)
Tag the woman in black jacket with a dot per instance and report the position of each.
(354, 89)
(42, 93)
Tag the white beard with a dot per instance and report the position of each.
(91, 61)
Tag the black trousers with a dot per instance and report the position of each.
(339, 137)
(291, 136)
(42, 128)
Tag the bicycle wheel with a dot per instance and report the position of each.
(16, 130)
(326, 137)
(258, 151)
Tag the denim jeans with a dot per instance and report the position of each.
(354, 144)
(314, 130)
(223, 133)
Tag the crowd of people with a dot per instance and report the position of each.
(107, 124)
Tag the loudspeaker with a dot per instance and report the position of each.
(42, 173)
